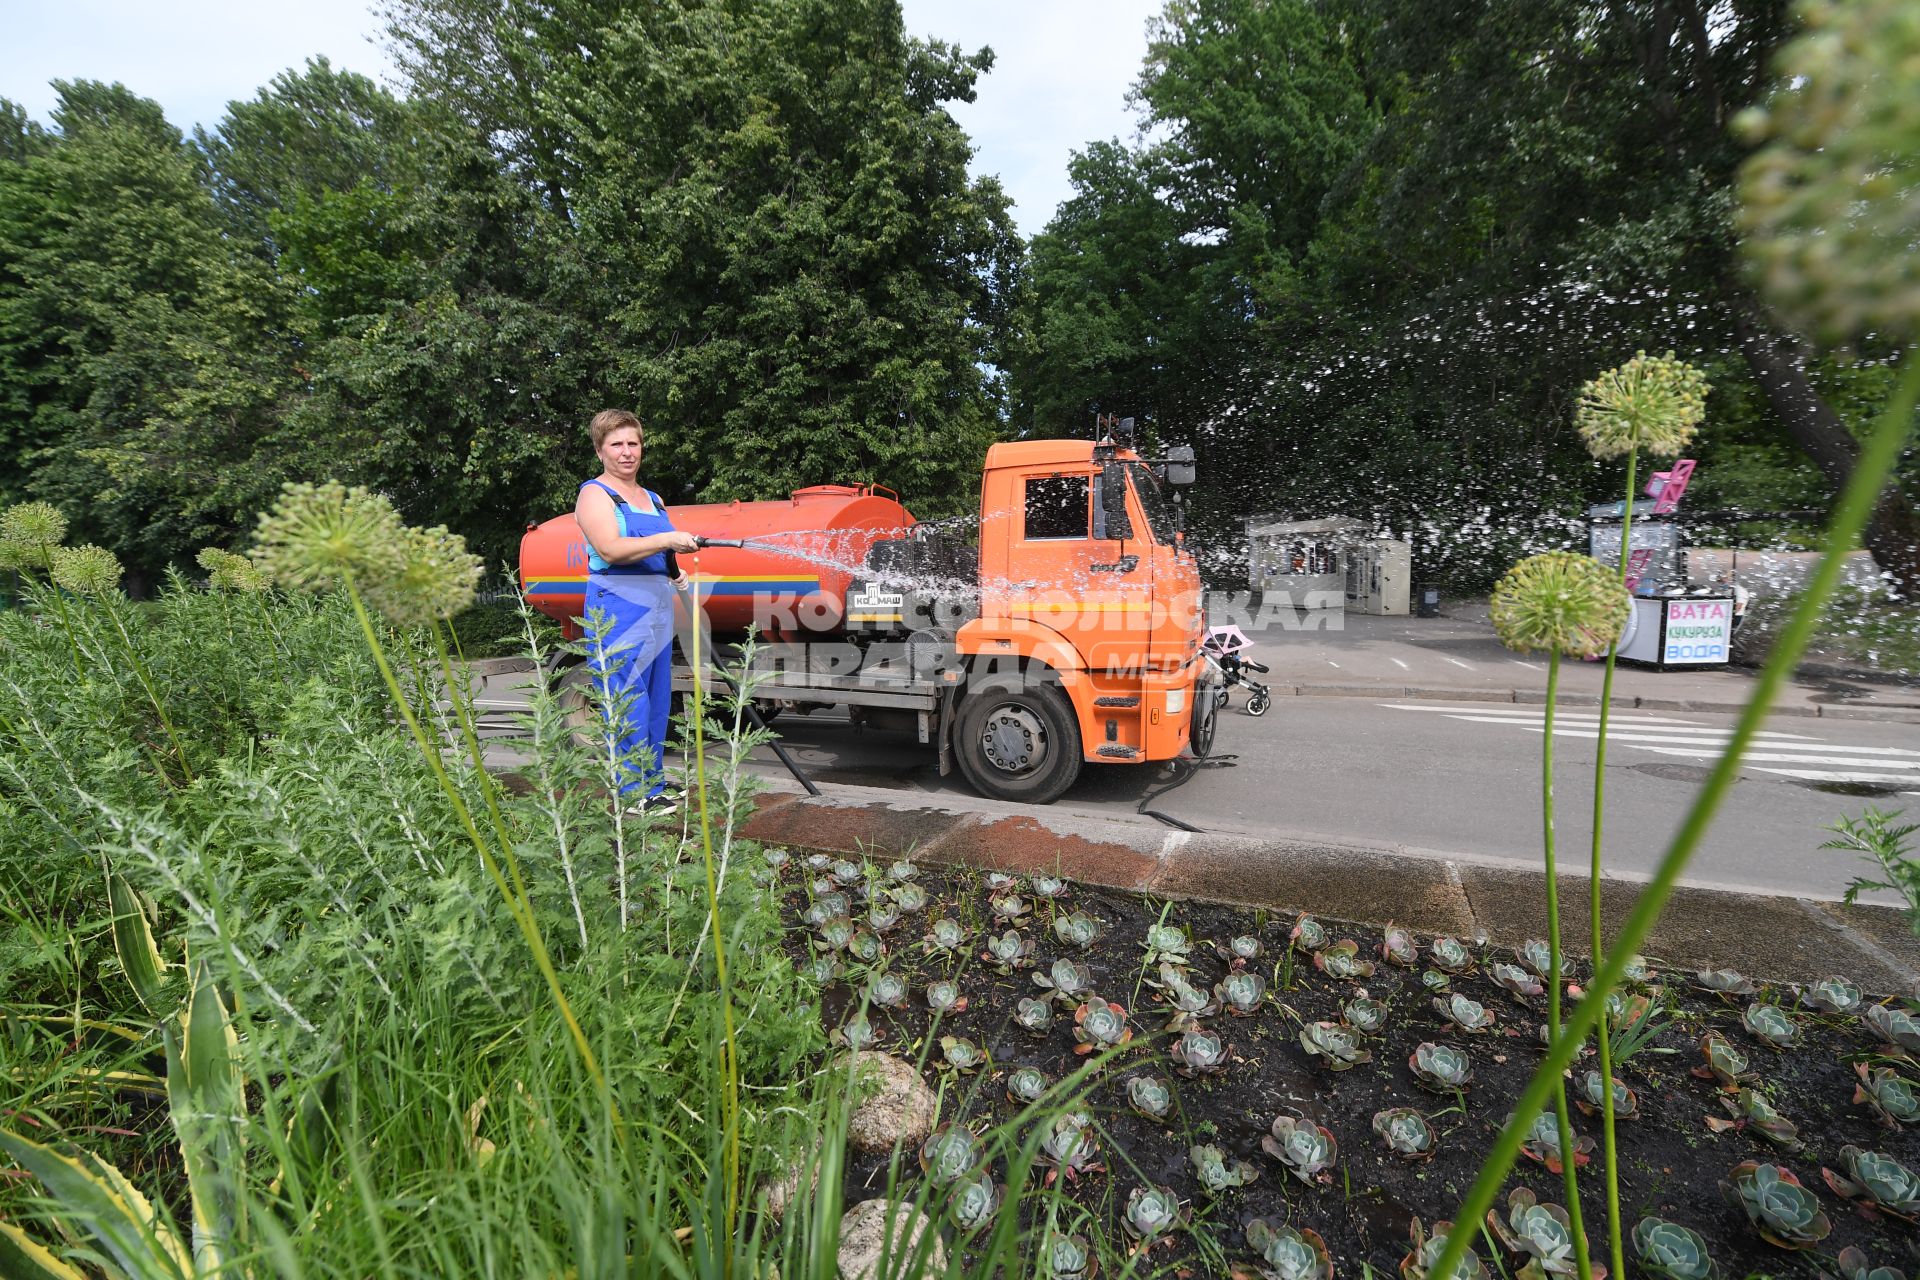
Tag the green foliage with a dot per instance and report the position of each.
(1885, 842)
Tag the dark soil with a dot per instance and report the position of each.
(1670, 1162)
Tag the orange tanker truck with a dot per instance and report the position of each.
(1069, 631)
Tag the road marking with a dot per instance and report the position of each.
(1531, 666)
(1456, 662)
(1396, 662)
(1690, 739)
(1333, 664)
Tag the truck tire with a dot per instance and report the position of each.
(1018, 740)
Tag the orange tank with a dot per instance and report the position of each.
(791, 583)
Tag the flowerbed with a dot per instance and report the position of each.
(1324, 1043)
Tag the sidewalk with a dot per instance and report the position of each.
(1457, 655)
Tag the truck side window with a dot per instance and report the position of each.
(1110, 518)
(1057, 507)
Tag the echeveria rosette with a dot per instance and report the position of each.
(1034, 1016)
(1240, 993)
(1769, 1024)
(1289, 1253)
(1783, 1211)
(1099, 1024)
(943, 996)
(1750, 1109)
(1829, 206)
(975, 1201)
(1152, 1214)
(1025, 1085)
(1894, 1098)
(1724, 1063)
(1069, 1148)
(1898, 1027)
(1591, 1101)
(1070, 1257)
(1150, 1095)
(1668, 1249)
(1653, 403)
(1876, 1181)
(950, 1153)
(1077, 929)
(1305, 1149)
(1216, 1173)
(961, 1053)
(1833, 994)
(1424, 1256)
(1068, 980)
(1364, 1014)
(1199, 1052)
(1543, 1144)
(1333, 1046)
(1398, 947)
(1539, 1232)
(1852, 1264)
(1343, 960)
(1440, 1067)
(86, 570)
(1407, 1132)
(1560, 602)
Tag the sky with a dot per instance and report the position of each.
(1060, 79)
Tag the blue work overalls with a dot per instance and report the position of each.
(633, 667)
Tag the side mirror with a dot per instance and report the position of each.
(1180, 469)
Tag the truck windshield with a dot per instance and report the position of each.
(1153, 500)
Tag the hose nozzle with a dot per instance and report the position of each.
(718, 542)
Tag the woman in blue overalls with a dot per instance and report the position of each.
(628, 536)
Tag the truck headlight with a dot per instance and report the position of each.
(1176, 701)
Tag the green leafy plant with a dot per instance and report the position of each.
(1884, 841)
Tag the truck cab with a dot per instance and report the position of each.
(1087, 646)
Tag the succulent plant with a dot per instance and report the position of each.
(902, 871)
(1538, 1232)
(822, 886)
(818, 862)
(908, 896)
(1150, 1095)
(865, 946)
(1069, 980)
(1897, 1026)
(1049, 887)
(1725, 1063)
(887, 990)
(1421, 1260)
(1724, 982)
(1637, 970)
(834, 934)
(1099, 1025)
(1397, 947)
(1026, 1084)
(1199, 1052)
(1035, 1016)
(1343, 960)
(1450, 955)
(1668, 1249)
(1535, 956)
(1240, 993)
(826, 968)
(1070, 1257)
(1751, 1110)
(827, 906)
(1240, 950)
(1189, 1002)
(945, 936)
(1876, 1181)
(1543, 1144)
(961, 1053)
(855, 1033)
(1153, 1214)
(1002, 882)
(1511, 977)
(974, 1201)
(1305, 1148)
(1406, 1132)
(943, 996)
(1008, 908)
(949, 1154)
(1894, 1098)
(1216, 1173)
(882, 915)
(1333, 1046)
(1831, 995)
(1769, 1024)
(1009, 951)
(776, 859)
(1781, 1210)
(1589, 1098)
(1434, 980)
(1167, 943)
(1290, 1253)
(1364, 1014)
(1468, 1015)
(1076, 929)
(1069, 1146)
(1440, 1067)
(1852, 1264)
(1308, 934)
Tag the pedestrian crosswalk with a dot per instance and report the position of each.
(1789, 755)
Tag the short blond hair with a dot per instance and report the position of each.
(608, 421)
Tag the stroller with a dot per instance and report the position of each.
(1225, 645)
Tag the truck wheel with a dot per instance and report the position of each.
(1018, 740)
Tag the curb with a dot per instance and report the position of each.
(1432, 892)
(1896, 713)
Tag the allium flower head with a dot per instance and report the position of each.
(86, 571)
(430, 579)
(317, 534)
(1560, 602)
(1830, 205)
(229, 572)
(32, 525)
(1650, 402)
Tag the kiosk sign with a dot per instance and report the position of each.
(1697, 631)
